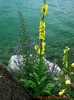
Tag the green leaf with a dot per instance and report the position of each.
(28, 83)
(39, 83)
(34, 75)
(35, 67)
(32, 84)
(30, 74)
(24, 82)
(46, 72)
(43, 78)
(45, 91)
(48, 86)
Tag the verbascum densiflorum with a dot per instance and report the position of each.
(44, 9)
(40, 49)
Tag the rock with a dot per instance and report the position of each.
(53, 68)
(10, 89)
(15, 61)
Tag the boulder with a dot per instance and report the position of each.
(54, 69)
(10, 89)
(16, 61)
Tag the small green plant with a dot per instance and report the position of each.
(66, 85)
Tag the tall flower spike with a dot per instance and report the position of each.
(40, 50)
(65, 62)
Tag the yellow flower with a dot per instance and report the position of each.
(42, 34)
(41, 29)
(42, 53)
(44, 9)
(71, 73)
(66, 64)
(38, 51)
(36, 47)
(67, 49)
(56, 79)
(42, 24)
(72, 64)
(43, 43)
(62, 92)
(41, 37)
(68, 82)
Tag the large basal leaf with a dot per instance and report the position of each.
(49, 86)
(24, 82)
(43, 78)
(45, 91)
(34, 76)
(32, 84)
(28, 83)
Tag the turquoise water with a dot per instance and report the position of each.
(59, 26)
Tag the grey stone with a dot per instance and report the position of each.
(10, 89)
(15, 61)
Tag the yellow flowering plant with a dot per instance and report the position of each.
(65, 65)
(65, 58)
(39, 81)
(65, 78)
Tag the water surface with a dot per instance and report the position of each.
(59, 26)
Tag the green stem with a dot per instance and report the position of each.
(41, 41)
(44, 1)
